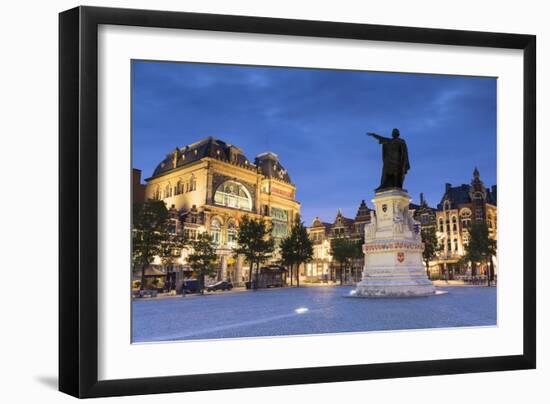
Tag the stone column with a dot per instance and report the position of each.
(224, 267)
(239, 270)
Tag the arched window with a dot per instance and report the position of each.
(233, 195)
(179, 187)
(231, 233)
(216, 231)
(167, 191)
(193, 183)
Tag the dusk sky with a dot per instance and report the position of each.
(316, 120)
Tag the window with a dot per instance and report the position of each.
(234, 195)
(279, 222)
(454, 223)
(425, 218)
(179, 187)
(441, 225)
(216, 231)
(172, 226)
(190, 234)
(232, 234)
(456, 244)
(193, 184)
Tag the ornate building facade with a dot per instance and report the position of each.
(322, 268)
(461, 206)
(210, 186)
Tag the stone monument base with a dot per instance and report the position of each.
(393, 251)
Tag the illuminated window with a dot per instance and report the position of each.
(233, 195)
(279, 222)
(216, 231)
(232, 234)
(167, 191)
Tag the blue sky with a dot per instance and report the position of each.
(316, 121)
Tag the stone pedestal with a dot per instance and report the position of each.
(393, 250)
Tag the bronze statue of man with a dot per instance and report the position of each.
(396, 160)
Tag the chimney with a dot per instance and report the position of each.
(421, 198)
(447, 187)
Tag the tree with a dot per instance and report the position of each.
(431, 246)
(481, 248)
(287, 255)
(254, 243)
(343, 251)
(357, 252)
(171, 248)
(296, 248)
(149, 231)
(203, 257)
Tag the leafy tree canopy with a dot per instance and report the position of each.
(203, 258)
(254, 242)
(480, 246)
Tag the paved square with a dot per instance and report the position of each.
(306, 310)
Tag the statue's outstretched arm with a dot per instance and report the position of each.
(381, 139)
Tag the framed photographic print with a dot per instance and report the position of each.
(250, 201)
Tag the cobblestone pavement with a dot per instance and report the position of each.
(311, 310)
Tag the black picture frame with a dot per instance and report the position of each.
(78, 206)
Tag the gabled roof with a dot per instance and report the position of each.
(363, 212)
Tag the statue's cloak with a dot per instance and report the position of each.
(389, 163)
